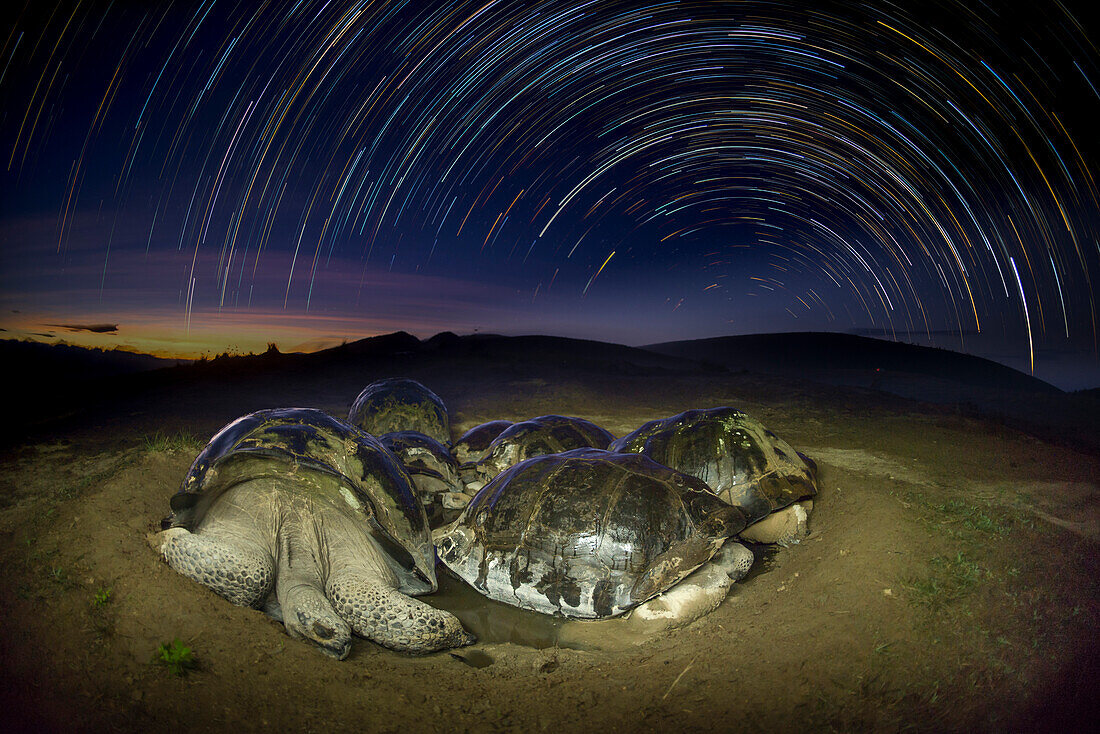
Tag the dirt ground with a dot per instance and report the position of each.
(949, 583)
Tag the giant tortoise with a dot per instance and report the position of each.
(591, 534)
(742, 461)
(315, 522)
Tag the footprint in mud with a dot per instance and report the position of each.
(473, 658)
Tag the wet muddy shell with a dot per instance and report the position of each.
(473, 444)
(400, 404)
(586, 533)
(303, 442)
(742, 461)
(547, 434)
(422, 454)
(430, 465)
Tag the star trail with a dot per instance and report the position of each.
(629, 171)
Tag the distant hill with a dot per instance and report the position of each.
(844, 359)
(538, 352)
(69, 383)
(966, 384)
(847, 359)
(563, 352)
(57, 385)
(37, 362)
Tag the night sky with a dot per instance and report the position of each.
(191, 177)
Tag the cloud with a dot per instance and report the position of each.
(93, 328)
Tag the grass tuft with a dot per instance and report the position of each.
(181, 440)
(972, 517)
(952, 578)
(176, 657)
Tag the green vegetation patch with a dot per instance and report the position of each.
(160, 441)
(176, 657)
(974, 520)
(951, 578)
(972, 517)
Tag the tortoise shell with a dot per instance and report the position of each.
(473, 444)
(586, 533)
(399, 404)
(430, 465)
(547, 434)
(742, 461)
(309, 445)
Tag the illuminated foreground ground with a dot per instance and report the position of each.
(949, 582)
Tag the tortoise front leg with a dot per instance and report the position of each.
(388, 617)
(233, 568)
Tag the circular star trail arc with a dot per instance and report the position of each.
(912, 167)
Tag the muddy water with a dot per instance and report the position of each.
(492, 621)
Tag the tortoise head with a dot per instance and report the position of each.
(308, 616)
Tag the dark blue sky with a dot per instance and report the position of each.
(212, 175)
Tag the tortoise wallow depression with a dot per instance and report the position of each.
(591, 534)
(314, 521)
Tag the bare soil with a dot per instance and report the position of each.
(949, 583)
